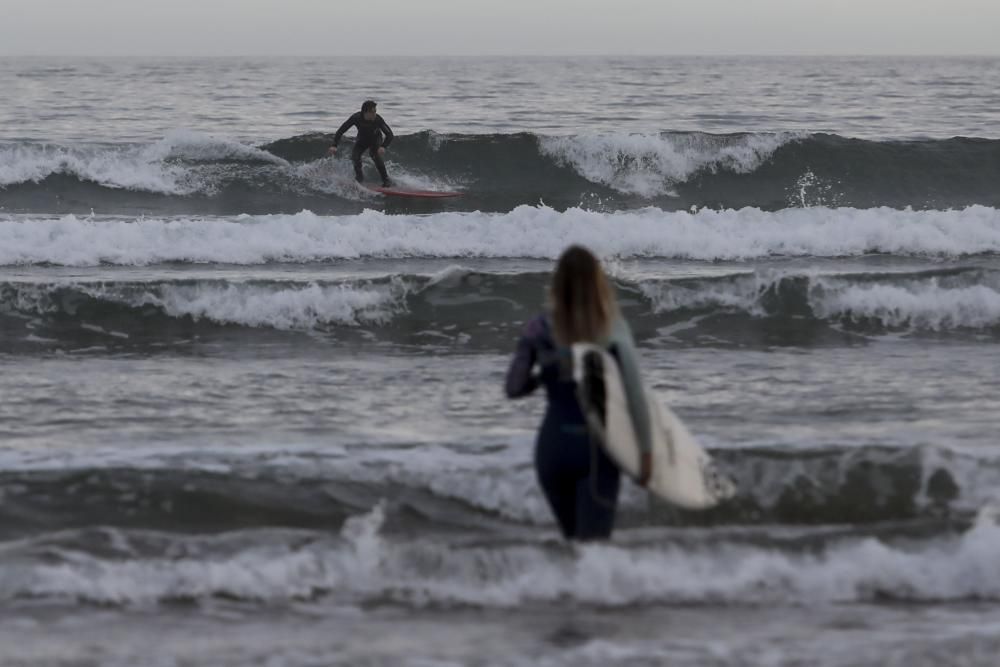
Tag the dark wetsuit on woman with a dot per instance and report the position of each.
(579, 480)
(372, 134)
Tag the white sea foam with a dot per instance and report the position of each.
(194, 146)
(742, 293)
(651, 165)
(924, 304)
(927, 306)
(146, 168)
(529, 232)
(295, 306)
(117, 167)
(308, 305)
(365, 565)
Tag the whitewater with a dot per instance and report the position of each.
(251, 413)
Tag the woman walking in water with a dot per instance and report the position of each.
(579, 480)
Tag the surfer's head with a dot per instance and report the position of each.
(583, 303)
(368, 109)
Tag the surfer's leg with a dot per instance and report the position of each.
(561, 494)
(356, 154)
(380, 165)
(558, 485)
(597, 498)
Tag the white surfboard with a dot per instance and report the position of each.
(683, 473)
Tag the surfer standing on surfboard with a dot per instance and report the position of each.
(580, 481)
(374, 136)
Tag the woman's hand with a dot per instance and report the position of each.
(645, 468)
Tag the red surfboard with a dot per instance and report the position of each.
(420, 194)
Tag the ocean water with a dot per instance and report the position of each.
(251, 414)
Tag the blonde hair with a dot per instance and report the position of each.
(582, 300)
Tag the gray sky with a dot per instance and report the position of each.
(514, 27)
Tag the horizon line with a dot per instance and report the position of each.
(189, 56)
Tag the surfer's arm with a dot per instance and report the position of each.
(348, 124)
(628, 361)
(520, 380)
(386, 132)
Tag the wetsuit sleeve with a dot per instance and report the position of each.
(348, 124)
(520, 379)
(628, 361)
(386, 132)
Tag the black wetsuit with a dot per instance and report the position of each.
(579, 480)
(371, 135)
